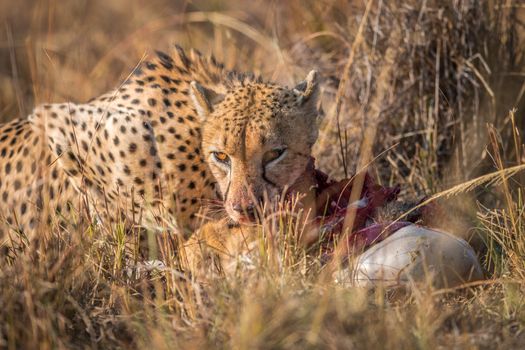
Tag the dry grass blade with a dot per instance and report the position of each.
(491, 179)
(424, 77)
(346, 75)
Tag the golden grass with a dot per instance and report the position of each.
(456, 67)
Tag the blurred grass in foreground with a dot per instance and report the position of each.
(457, 67)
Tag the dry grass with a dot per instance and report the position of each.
(451, 69)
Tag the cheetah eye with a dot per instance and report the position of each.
(221, 157)
(272, 155)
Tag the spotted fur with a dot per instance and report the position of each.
(146, 146)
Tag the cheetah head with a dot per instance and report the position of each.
(257, 139)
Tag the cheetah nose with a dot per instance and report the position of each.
(248, 211)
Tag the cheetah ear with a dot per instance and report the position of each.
(204, 99)
(308, 89)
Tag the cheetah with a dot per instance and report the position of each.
(180, 134)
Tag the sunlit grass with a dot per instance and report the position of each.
(453, 69)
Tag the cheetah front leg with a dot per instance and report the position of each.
(217, 247)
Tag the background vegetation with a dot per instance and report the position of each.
(432, 90)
